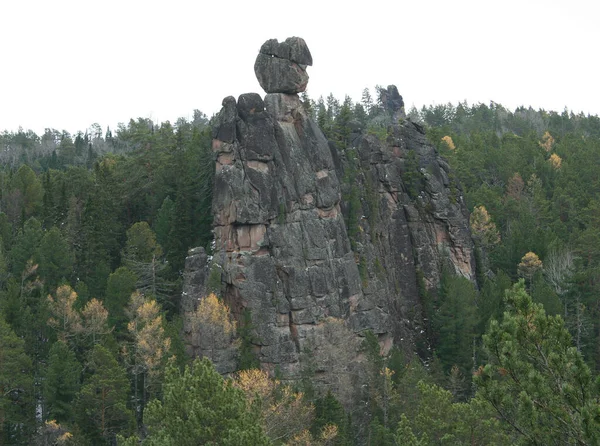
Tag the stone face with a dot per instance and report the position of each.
(281, 67)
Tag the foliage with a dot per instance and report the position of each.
(212, 325)
(483, 228)
(529, 265)
(62, 383)
(283, 412)
(146, 354)
(65, 319)
(536, 381)
(455, 322)
(16, 389)
(101, 407)
(449, 143)
(199, 407)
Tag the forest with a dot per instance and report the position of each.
(95, 229)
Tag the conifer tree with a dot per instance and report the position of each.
(199, 407)
(536, 380)
(101, 408)
(61, 383)
(16, 389)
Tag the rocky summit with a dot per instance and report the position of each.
(281, 67)
(308, 232)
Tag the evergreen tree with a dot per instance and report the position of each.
(455, 322)
(329, 411)
(26, 245)
(101, 408)
(536, 380)
(55, 257)
(198, 407)
(62, 383)
(120, 286)
(16, 389)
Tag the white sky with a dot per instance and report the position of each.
(67, 64)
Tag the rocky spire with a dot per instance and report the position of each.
(295, 255)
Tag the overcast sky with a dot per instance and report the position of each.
(68, 64)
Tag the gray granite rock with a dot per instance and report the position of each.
(281, 67)
(281, 215)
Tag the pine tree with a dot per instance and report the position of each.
(536, 380)
(120, 285)
(198, 407)
(55, 257)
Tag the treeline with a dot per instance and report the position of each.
(95, 229)
(529, 179)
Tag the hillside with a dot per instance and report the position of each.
(400, 277)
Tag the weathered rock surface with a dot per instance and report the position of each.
(408, 221)
(305, 232)
(281, 67)
(280, 234)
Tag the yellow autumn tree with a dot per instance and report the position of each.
(555, 161)
(284, 413)
(53, 433)
(212, 325)
(547, 141)
(327, 436)
(64, 317)
(449, 143)
(94, 320)
(147, 352)
(529, 265)
(483, 228)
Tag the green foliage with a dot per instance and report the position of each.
(454, 323)
(101, 408)
(120, 285)
(62, 383)
(537, 382)
(247, 358)
(199, 407)
(55, 257)
(441, 421)
(329, 411)
(26, 245)
(16, 389)
(412, 176)
(28, 189)
(141, 245)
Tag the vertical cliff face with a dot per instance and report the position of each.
(280, 235)
(305, 232)
(406, 219)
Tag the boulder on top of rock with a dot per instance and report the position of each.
(280, 67)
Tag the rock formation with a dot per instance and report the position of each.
(281, 67)
(305, 232)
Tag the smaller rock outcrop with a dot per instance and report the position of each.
(392, 101)
(281, 67)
